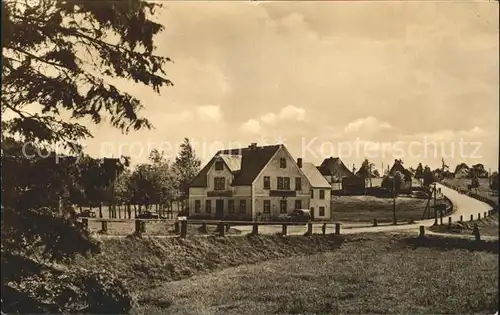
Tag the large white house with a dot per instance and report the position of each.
(246, 183)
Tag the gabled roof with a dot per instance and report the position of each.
(398, 167)
(313, 175)
(334, 166)
(244, 163)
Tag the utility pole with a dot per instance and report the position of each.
(394, 221)
(435, 206)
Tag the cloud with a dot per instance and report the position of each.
(366, 125)
(289, 112)
(209, 113)
(251, 126)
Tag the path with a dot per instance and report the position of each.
(463, 206)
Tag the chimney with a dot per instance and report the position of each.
(299, 162)
(253, 146)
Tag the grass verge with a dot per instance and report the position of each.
(372, 273)
(487, 226)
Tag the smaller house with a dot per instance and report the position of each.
(320, 192)
(334, 170)
(406, 175)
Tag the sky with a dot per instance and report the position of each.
(388, 78)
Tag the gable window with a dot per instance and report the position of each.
(267, 182)
(312, 193)
(321, 194)
(197, 206)
(282, 163)
(219, 166)
(286, 183)
(243, 206)
(267, 206)
(298, 183)
(230, 205)
(321, 211)
(208, 206)
(282, 206)
(219, 183)
(298, 204)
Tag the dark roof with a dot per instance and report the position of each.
(252, 163)
(334, 166)
(398, 167)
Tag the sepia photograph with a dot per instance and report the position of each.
(249, 157)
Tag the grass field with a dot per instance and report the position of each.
(487, 226)
(367, 208)
(483, 189)
(376, 273)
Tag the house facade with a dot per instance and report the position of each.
(321, 192)
(249, 183)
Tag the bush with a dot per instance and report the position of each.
(74, 291)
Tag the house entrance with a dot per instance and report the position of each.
(219, 209)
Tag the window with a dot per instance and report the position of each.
(286, 183)
(282, 163)
(283, 206)
(321, 211)
(312, 193)
(208, 206)
(230, 205)
(243, 206)
(298, 204)
(267, 206)
(219, 183)
(283, 183)
(321, 194)
(197, 206)
(267, 182)
(219, 166)
(298, 183)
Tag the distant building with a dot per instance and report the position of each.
(247, 183)
(333, 169)
(406, 175)
(320, 192)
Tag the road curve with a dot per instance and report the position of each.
(463, 205)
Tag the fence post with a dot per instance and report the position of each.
(143, 226)
(137, 227)
(479, 216)
(222, 229)
(284, 229)
(184, 228)
(485, 215)
(85, 223)
(375, 223)
(476, 233)
(449, 220)
(104, 227)
(323, 228)
(461, 218)
(337, 228)
(255, 229)
(422, 231)
(472, 217)
(441, 218)
(204, 228)
(309, 228)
